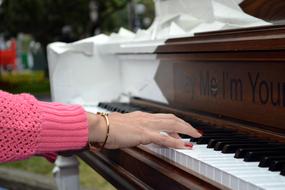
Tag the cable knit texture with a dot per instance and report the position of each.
(31, 127)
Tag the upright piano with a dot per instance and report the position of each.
(228, 84)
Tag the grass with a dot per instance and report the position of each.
(89, 179)
(33, 82)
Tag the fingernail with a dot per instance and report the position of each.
(188, 145)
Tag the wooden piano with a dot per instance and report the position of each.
(232, 79)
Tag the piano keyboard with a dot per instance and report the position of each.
(223, 156)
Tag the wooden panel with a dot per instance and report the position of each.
(141, 170)
(253, 32)
(249, 91)
(269, 10)
(256, 39)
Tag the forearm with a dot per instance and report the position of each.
(30, 127)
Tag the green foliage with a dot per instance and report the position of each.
(34, 165)
(91, 179)
(32, 82)
(112, 15)
(44, 19)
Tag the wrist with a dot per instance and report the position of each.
(96, 128)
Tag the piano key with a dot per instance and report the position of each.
(219, 145)
(206, 137)
(282, 171)
(265, 161)
(232, 148)
(241, 152)
(274, 186)
(222, 168)
(254, 156)
(212, 142)
(277, 165)
(212, 133)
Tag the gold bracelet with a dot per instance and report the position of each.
(93, 146)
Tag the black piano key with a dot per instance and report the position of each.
(282, 171)
(241, 152)
(232, 148)
(265, 161)
(208, 133)
(207, 137)
(213, 130)
(120, 107)
(254, 156)
(212, 134)
(220, 145)
(208, 127)
(102, 105)
(214, 141)
(194, 139)
(276, 165)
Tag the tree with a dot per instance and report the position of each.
(44, 20)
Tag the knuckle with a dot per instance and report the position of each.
(146, 137)
(146, 123)
(163, 140)
(174, 123)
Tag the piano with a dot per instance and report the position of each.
(228, 84)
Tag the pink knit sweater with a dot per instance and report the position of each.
(31, 127)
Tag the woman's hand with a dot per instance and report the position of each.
(132, 129)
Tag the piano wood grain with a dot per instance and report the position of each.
(271, 11)
(134, 168)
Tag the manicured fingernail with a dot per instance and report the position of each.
(188, 145)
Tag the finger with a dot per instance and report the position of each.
(157, 116)
(172, 125)
(174, 135)
(168, 141)
(168, 123)
(171, 116)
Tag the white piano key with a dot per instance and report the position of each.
(226, 170)
(222, 168)
(273, 186)
(276, 188)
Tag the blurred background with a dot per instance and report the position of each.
(27, 27)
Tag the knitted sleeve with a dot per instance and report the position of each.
(31, 127)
